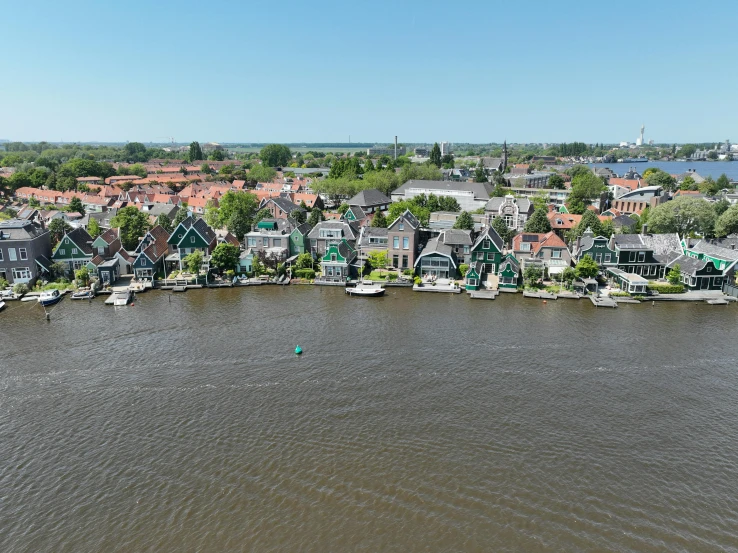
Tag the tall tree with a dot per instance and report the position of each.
(589, 220)
(587, 267)
(195, 153)
(480, 175)
(225, 256)
(538, 222)
(316, 216)
(239, 224)
(164, 222)
(464, 221)
(723, 182)
(585, 188)
(727, 223)
(435, 155)
(498, 223)
(181, 215)
(133, 225)
(275, 155)
(93, 228)
(58, 228)
(556, 181)
(193, 262)
(657, 177)
(75, 205)
(683, 215)
(379, 220)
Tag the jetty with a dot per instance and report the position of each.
(603, 301)
(542, 295)
(483, 294)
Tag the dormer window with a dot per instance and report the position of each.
(401, 226)
(192, 239)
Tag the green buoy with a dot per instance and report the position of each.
(298, 350)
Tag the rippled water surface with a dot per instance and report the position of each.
(413, 422)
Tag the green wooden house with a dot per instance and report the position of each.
(597, 247)
(336, 263)
(486, 254)
(473, 276)
(189, 236)
(699, 273)
(508, 272)
(74, 250)
(299, 241)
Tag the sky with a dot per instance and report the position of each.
(478, 71)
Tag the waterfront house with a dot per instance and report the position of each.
(437, 260)
(628, 282)
(125, 262)
(547, 251)
(370, 201)
(150, 254)
(107, 243)
(271, 236)
(372, 239)
(25, 249)
(486, 254)
(460, 241)
(508, 272)
(327, 233)
(514, 211)
(722, 252)
(189, 236)
(696, 273)
(74, 250)
(403, 236)
(644, 254)
(338, 261)
(597, 247)
(299, 241)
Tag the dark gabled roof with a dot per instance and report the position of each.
(357, 211)
(370, 197)
(283, 203)
(81, 239)
(304, 229)
(623, 221)
(125, 255)
(715, 250)
(456, 237)
(97, 260)
(687, 265)
(44, 262)
(477, 266)
(491, 234)
(204, 230)
(350, 231)
(109, 236)
(408, 217)
(159, 233)
(19, 229)
(346, 251)
(512, 260)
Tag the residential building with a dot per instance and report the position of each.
(460, 242)
(327, 233)
(644, 254)
(372, 239)
(515, 211)
(338, 261)
(370, 201)
(403, 237)
(445, 148)
(597, 247)
(469, 195)
(151, 254)
(271, 236)
(299, 241)
(74, 250)
(279, 207)
(547, 251)
(191, 235)
(696, 273)
(484, 263)
(555, 196)
(386, 151)
(638, 200)
(437, 260)
(25, 249)
(107, 244)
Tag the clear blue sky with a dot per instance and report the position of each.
(477, 71)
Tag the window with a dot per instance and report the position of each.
(265, 241)
(333, 257)
(395, 259)
(466, 249)
(1, 255)
(143, 261)
(632, 256)
(401, 226)
(525, 247)
(251, 241)
(396, 242)
(641, 257)
(192, 239)
(277, 242)
(23, 253)
(101, 250)
(11, 254)
(472, 282)
(74, 251)
(404, 262)
(405, 243)
(21, 273)
(607, 258)
(490, 256)
(598, 258)
(556, 254)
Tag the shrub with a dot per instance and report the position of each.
(230, 273)
(20, 288)
(408, 272)
(3, 283)
(417, 281)
(463, 268)
(305, 273)
(663, 288)
(392, 276)
(619, 294)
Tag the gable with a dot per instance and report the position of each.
(333, 250)
(65, 250)
(99, 242)
(188, 242)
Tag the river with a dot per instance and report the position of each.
(705, 168)
(412, 422)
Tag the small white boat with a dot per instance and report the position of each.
(368, 289)
(2, 305)
(122, 299)
(50, 297)
(84, 294)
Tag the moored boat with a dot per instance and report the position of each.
(122, 298)
(2, 305)
(365, 289)
(83, 294)
(50, 297)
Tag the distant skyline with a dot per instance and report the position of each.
(324, 71)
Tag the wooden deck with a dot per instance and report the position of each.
(603, 301)
(483, 294)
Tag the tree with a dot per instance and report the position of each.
(58, 228)
(205, 168)
(712, 155)
(275, 155)
(231, 202)
(447, 161)
(585, 187)
(480, 175)
(723, 182)
(195, 153)
(683, 215)
(379, 220)
(93, 228)
(538, 222)
(138, 170)
(260, 173)
(193, 262)
(687, 150)
(556, 181)
(225, 256)
(587, 267)
(299, 216)
(533, 275)
(316, 216)
(368, 166)
(568, 275)
(217, 155)
(727, 223)
(378, 259)
(721, 206)
(435, 155)
(499, 225)
(181, 215)
(135, 151)
(708, 187)
(82, 276)
(464, 221)
(239, 224)
(164, 222)
(589, 220)
(133, 225)
(262, 214)
(674, 276)
(75, 205)
(304, 261)
(657, 177)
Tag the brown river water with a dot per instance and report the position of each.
(412, 422)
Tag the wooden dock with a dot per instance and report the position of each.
(543, 295)
(603, 301)
(483, 294)
(718, 301)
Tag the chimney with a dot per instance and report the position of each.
(579, 244)
(395, 146)
(644, 229)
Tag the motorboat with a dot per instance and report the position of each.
(121, 299)
(2, 305)
(368, 289)
(83, 294)
(50, 297)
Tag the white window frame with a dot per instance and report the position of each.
(23, 254)
(405, 242)
(12, 256)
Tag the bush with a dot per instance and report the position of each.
(3, 283)
(392, 276)
(619, 294)
(408, 272)
(663, 288)
(417, 281)
(463, 268)
(229, 274)
(305, 273)
(20, 289)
